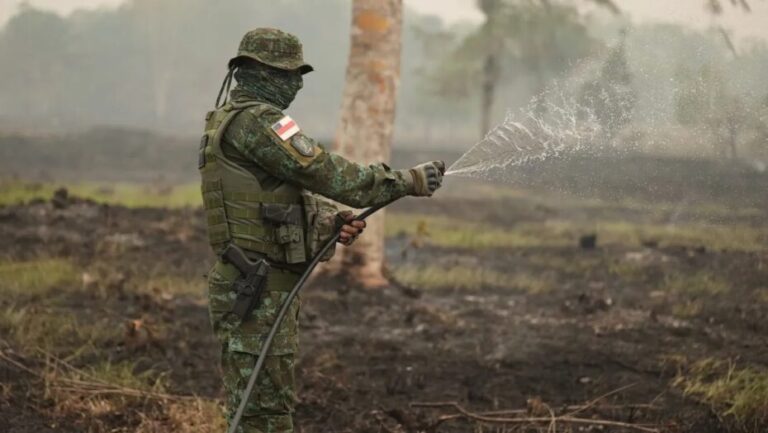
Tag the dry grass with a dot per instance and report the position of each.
(37, 277)
(662, 210)
(126, 194)
(701, 283)
(628, 271)
(92, 398)
(123, 374)
(113, 397)
(458, 233)
(468, 278)
(197, 416)
(165, 286)
(49, 329)
(435, 277)
(761, 295)
(31, 317)
(737, 395)
(688, 309)
(30, 328)
(711, 236)
(577, 266)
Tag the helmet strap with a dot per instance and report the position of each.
(225, 85)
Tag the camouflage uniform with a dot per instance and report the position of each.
(245, 162)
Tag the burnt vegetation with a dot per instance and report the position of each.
(621, 291)
(499, 318)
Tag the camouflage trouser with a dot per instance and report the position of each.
(271, 405)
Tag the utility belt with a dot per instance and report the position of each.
(251, 279)
(279, 279)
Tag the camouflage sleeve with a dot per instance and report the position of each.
(301, 161)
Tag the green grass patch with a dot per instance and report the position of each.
(531, 284)
(628, 270)
(124, 374)
(434, 277)
(736, 394)
(571, 265)
(30, 328)
(452, 232)
(459, 190)
(37, 277)
(761, 295)
(712, 236)
(125, 194)
(688, 309)
(457, 233)
(710, 210)
(700, 283)
(172, 285)
(462, 277)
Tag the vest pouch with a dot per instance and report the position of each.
(287, 220)
(321, 224)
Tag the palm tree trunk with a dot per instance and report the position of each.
(490, 80)
(367, 119)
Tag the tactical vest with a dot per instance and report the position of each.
(238, 209)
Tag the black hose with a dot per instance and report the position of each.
(281, 315)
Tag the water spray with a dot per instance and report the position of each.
(565, 128)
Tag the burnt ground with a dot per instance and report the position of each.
(622, 314)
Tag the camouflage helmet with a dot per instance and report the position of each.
(272, 47)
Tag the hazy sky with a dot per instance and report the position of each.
(682, 11)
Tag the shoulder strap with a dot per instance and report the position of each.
(232, 110)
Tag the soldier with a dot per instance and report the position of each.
(261, 177)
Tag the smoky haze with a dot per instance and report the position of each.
(151, 64)
(157, 65)
(595, 260)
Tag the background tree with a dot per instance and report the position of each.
(534, 39)
(759, 142)
(491, 33)
(367, 118)
(610, 95)
(68, 73)
(35, 86)
(157, 60)
(423, 109)
(704, 101)
(717, 7)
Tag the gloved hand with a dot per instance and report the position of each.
(350, 229)
(427, 178)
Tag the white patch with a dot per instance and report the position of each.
(286, 128)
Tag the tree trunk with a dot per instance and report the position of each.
(367, 119)
(490, 79)
(733, 131)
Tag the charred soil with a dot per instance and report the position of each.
(505, 324)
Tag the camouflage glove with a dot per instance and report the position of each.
(426, 178)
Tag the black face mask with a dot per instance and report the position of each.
(265, 83)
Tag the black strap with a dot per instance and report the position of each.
(225, 85)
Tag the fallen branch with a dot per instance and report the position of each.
(551, 420)
(593, 402)
(92, 386)
(573, 409)
(124, 392)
